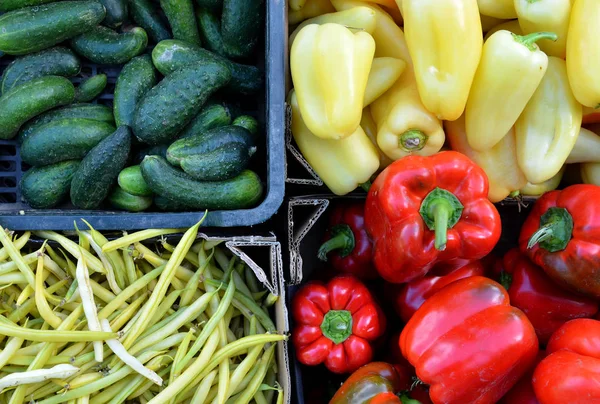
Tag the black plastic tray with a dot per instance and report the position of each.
(16, 215)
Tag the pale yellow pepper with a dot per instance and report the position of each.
(549, 125)
(586, 149)
(342, 164)
(546, 15)
(499, 162)
(309, 9)
(330, 66)
(487, 22)
(384, 73)
(504, 9)
(510, 26)
(444, 38)
(590, 173)
(549, 185)
(370, 127)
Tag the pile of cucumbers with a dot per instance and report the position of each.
(172, 139)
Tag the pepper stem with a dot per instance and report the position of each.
(440, 211)
(337, 325)
(412, 140)
(366, 186)
(342, 238)
(556, 229)
(405, 399)
(505, 279)
(529, 40)
(542, 234)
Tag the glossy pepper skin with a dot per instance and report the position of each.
(425, 210)
(504, 9)
(547, 305)
(477, 344)
(444, 64)
(385, 71)
(336, 324)
(587, 147)
(561, 236)
(330, 66)
(541, 188)
(571, 372)
(348, 247)
(522, 392)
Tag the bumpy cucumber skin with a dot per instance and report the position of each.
(24, 102)
(211, 116)
(57, 61)
(33, 29)
(99, 169)
(63, 139)
(123, 200)
(241, 24)
(10, 5)
(145, 14)
(182, 20)
(247, 122)
(135, 80)
(210, 31)
(116, 12)
(94, 112)
(214, 6)
(46, 187)
(132, 181)
(104, 46)
(91, 88)
(171, 55)
(243, 191)
(172, 104)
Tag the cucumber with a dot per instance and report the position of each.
(211, 116)
(10, 5)
(214, 155)
(63, 139)
(159, 150)
(95, 112)
(210, 31)
(170, 205)
(46, 187)
(116, 12)
(24, 102)
(135, 80)
(132, 181)
(241, 24)
(104, 46)
(99, 169)
(214, 6)
(241, 192)
(180, 14)
(123, 200)
(36, 28)
(247, 122)
(90, 88)
(57, 61)
(172, 104)
(146, 15)
(171, 55)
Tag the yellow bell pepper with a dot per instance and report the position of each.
(330, 66)
(586, 149)
(370, 127)
(510, 26)
(504, 9)
(487, 22)
(309, 9)
(384, 73)
(539, 189)
(358, 18)
(342, 164)
(546, 15)
(444, 38)
(499, 162)
(548, 127)
(509, 72)
(583, 52)
(590, 173)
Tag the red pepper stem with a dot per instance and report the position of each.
(366, 186)
(555, 232)
(505, 280)
(529, 40)
(440, 211)
(412, 140)
(405, 399)
(542, 234)
(441, 214)
(342, 239)
(337, 325)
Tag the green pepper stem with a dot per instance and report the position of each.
(542, 234)
(555, 232)
(366, 186)
(505, 279)
(529, 40)
(405, 399)
(440, 210)
(441, 214)
(337, 325)
(342, 239)
(412, 140)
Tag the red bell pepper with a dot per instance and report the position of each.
(411, 296)
(522, 392)
(468, 343)
(336, 324)
(562, 235)
(546, 305)
(348, 245)
(425, 210)
(571, 373)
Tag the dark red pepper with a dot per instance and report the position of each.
(348, 247)
(522, 392)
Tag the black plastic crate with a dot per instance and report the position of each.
(269, 108)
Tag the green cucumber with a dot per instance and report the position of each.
(213, 155)
(99, 169)
(211, 116)
(57, 61)
(170, 205)
(171, 55)
(243, 191)
(46, 187)
(132, 181)
(90, 88)
(146, 15)
(180, 14)
(116, 12)
(28, 100)
(123, 200)
(135, 80)
(210, 31)
(63, 139)
(36, 28)
(247, 122)
(95, 112)
(10, 5)
(241, 24)
(214, 6)
(104, 46)
(172, 104)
